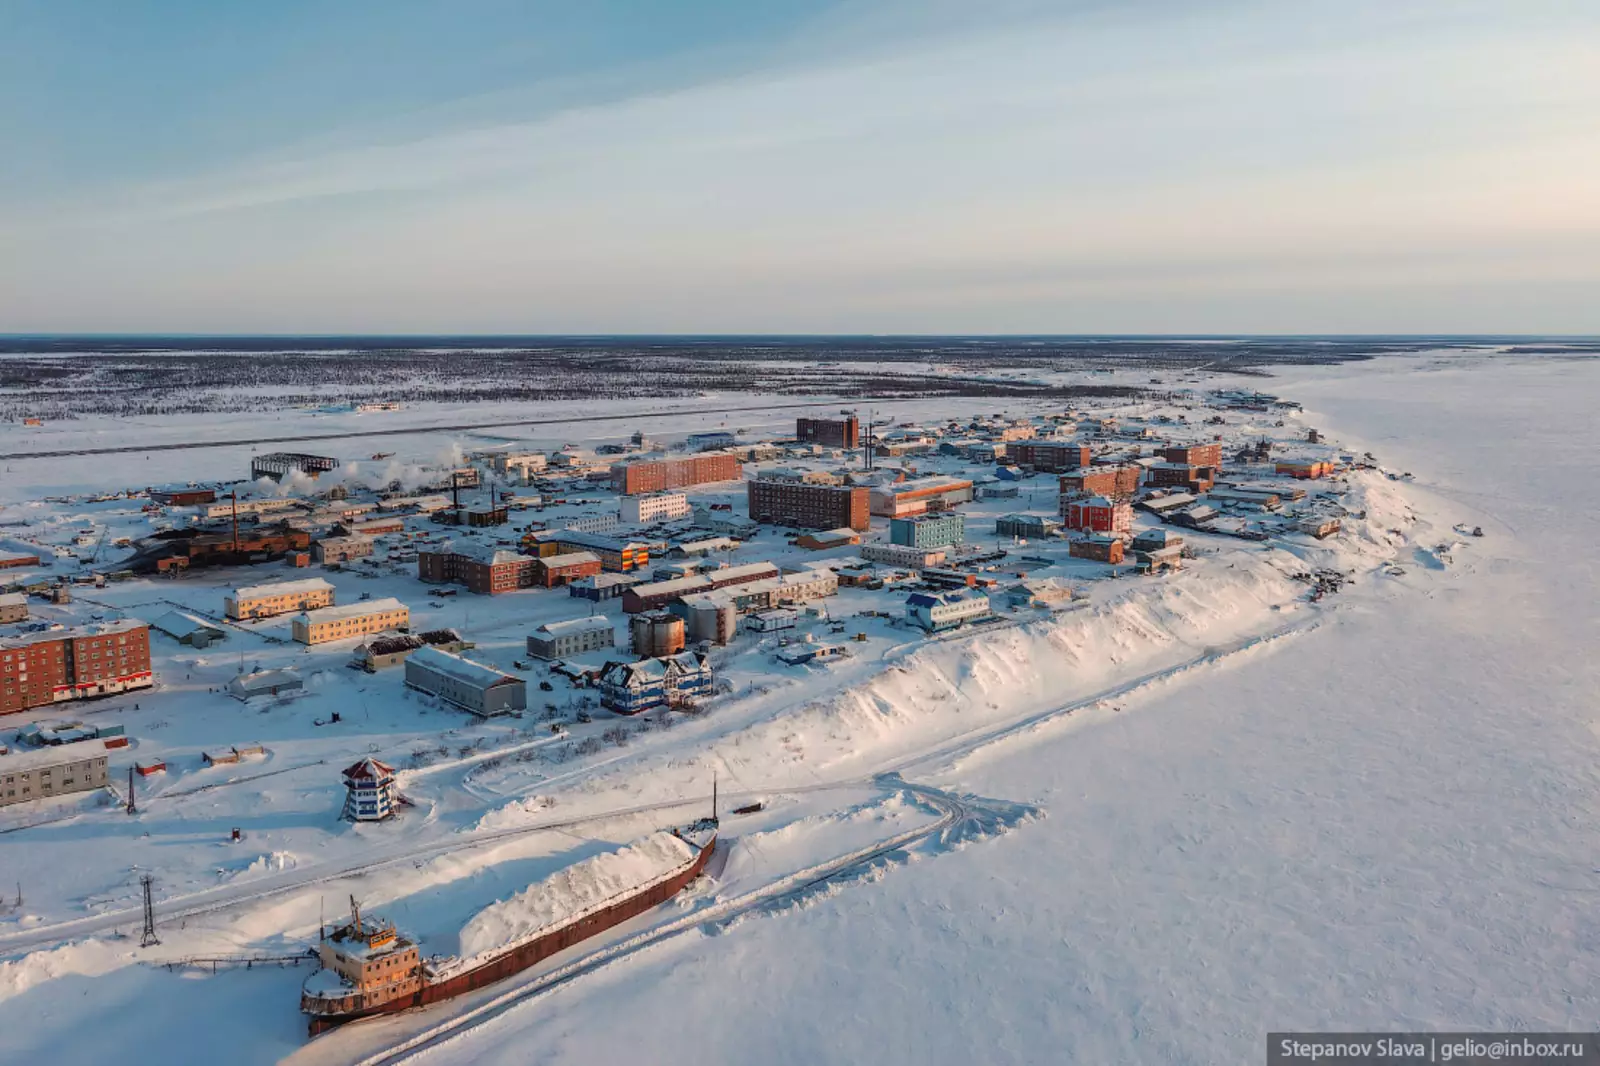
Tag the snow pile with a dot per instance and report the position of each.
(87, 958)
(276, 862)
(566, 893)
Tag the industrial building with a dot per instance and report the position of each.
(657, 633)
(709, 440)
(283, 682)
(829, 432)
(929, 530)
(182, 497)
(180, 549)
(41, 669)
(708, 616)
(652, 507)
(672, 681)
(481, 568)
(935, 611)
(656, 475)
(278, 465)
(660, 593)
(472, 686)
(1047, 455)
(56, 771)
(341, 549)
(15, 560)
(1097, 514)
(906, 498)
(374, 527)
(557, 640)
(351, 620)
(369, 794)
(189, 629)
(277, 597)
(255, 508)
(802, 506)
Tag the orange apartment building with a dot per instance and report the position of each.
(351, 620)
(658, 475)
(41, 669)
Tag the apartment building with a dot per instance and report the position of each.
(1048, 455)
(484, 570)
(278, 597)
(929, 531)
(653, 507)
(829, 432)
(351, 620)
(31, 775)
(40, 669)
(657, 475)
(803, 506)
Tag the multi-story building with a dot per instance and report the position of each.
(553, 570)
(374, 527)
(653, 507)
(801, 586)
(518, 466)
(929, 530)
(1209, 455)
(243, 508)
(905, 498)
(31, 775)
(1048, 455)
(808, 477)
(656, 475)
(829, 432)
(1182, 475)
(101, 660)
(369, 791)
(472, 686)
(557, 640)
(483, 569)
(1114, 481)
(1098, 514)
(803, 506)
(617, 556)
(1304, 468)
(277, 597)
(592, 523)
(1097, 546)
(351, 620)
(13, 607)
(945, 610)
(341, 549)
(900, 555)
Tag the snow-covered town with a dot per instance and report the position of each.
(425, 678)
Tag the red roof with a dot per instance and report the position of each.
(368, 770)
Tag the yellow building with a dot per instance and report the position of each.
(278, 597)
(351, 620)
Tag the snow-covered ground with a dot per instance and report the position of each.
(1199, 807)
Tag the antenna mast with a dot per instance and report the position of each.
(149, 937)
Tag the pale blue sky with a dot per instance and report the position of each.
(787, 166)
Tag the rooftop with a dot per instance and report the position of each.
(282, 588)
(462, 669)
(352, 610)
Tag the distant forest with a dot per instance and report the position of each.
(67, 377)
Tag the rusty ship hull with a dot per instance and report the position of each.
(515, 959)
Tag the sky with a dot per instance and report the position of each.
(836, 166)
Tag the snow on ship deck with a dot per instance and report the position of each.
(567, 896)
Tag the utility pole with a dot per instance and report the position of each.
(133, 807)
(149, 937)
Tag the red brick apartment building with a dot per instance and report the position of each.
(1049, 456)
(485, 572)
(78, 664)
(802, 506)
(829, 432)
(1209, 455)
(658, 475)
(1111, 481)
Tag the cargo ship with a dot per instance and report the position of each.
(370, 968)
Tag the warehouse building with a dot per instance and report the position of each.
(31, 775)
(472, 686)
(351, 620)
(829, 432)
(285, 682)
(656, 475)
(843, 537)
(14, 560)
(41, 669)
(189, 629)
(182, 497)
(803, 506)
(652, 507)
(557, 640)
(277, 597)
(481, 568)
(929, 531)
